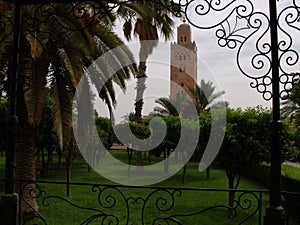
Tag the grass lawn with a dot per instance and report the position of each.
(86, 202)
(290, 172)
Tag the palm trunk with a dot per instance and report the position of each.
(208, 172)
(69, 165)
(140, 89)
(25, 160)
(231, 194)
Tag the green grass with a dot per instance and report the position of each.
(61, 212)
(290, 172)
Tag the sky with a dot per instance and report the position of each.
(215, 63)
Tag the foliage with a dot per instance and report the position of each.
(181, 106)
(139, 130)
(291, 111)
(167, 107)
(205, 95)
(105, 131)
(291, 104)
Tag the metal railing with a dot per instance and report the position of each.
(117, 204)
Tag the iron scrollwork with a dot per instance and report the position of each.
(239, 26)
(116, 204)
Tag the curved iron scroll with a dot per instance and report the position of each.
(239, 26)
(115, 204)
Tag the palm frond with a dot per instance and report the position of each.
(35, 92)
(127, 29)
(73, 62)
(62, 110)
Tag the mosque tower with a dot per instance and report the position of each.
(183, 62)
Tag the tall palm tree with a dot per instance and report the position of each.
(58, 49)
(145, 22)
(151, 18)
(205, 96)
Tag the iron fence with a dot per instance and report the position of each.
(143, 205)
(117, 204)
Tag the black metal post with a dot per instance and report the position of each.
(9, 202)
(275, 214)
(12, 119)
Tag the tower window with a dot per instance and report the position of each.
(181, 84)
(184, 38)
(181, 38)
(180, 57)
(184, 57)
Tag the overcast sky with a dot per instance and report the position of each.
(215, 63)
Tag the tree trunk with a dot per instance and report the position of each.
(129, 154)
(59, 154)
(184, 168)
(25, 160)
(166, 160)
(139, 162)
(184, 174)
(231, 194)
(68, 165)
(208, 172)
(140, 89)
(149, 157)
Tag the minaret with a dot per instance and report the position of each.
(183, 62)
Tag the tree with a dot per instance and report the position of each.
(153, 17)
(246, 144)
(58, 51)
(291, 111)
(179, 106)
(205, 96)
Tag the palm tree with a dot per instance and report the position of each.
(58, 50)
(166, 108)
(179, 106)
(152, 17)
(205, 96)
(129, 117)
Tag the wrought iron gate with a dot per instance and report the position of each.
(271, 76)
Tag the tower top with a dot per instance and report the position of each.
(184, 33)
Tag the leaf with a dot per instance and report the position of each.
(35, 92)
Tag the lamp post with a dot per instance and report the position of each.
(275, 214)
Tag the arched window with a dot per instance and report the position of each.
(184, 57)
(180, 57)
(184, 38)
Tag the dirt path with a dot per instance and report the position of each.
(292, 164)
